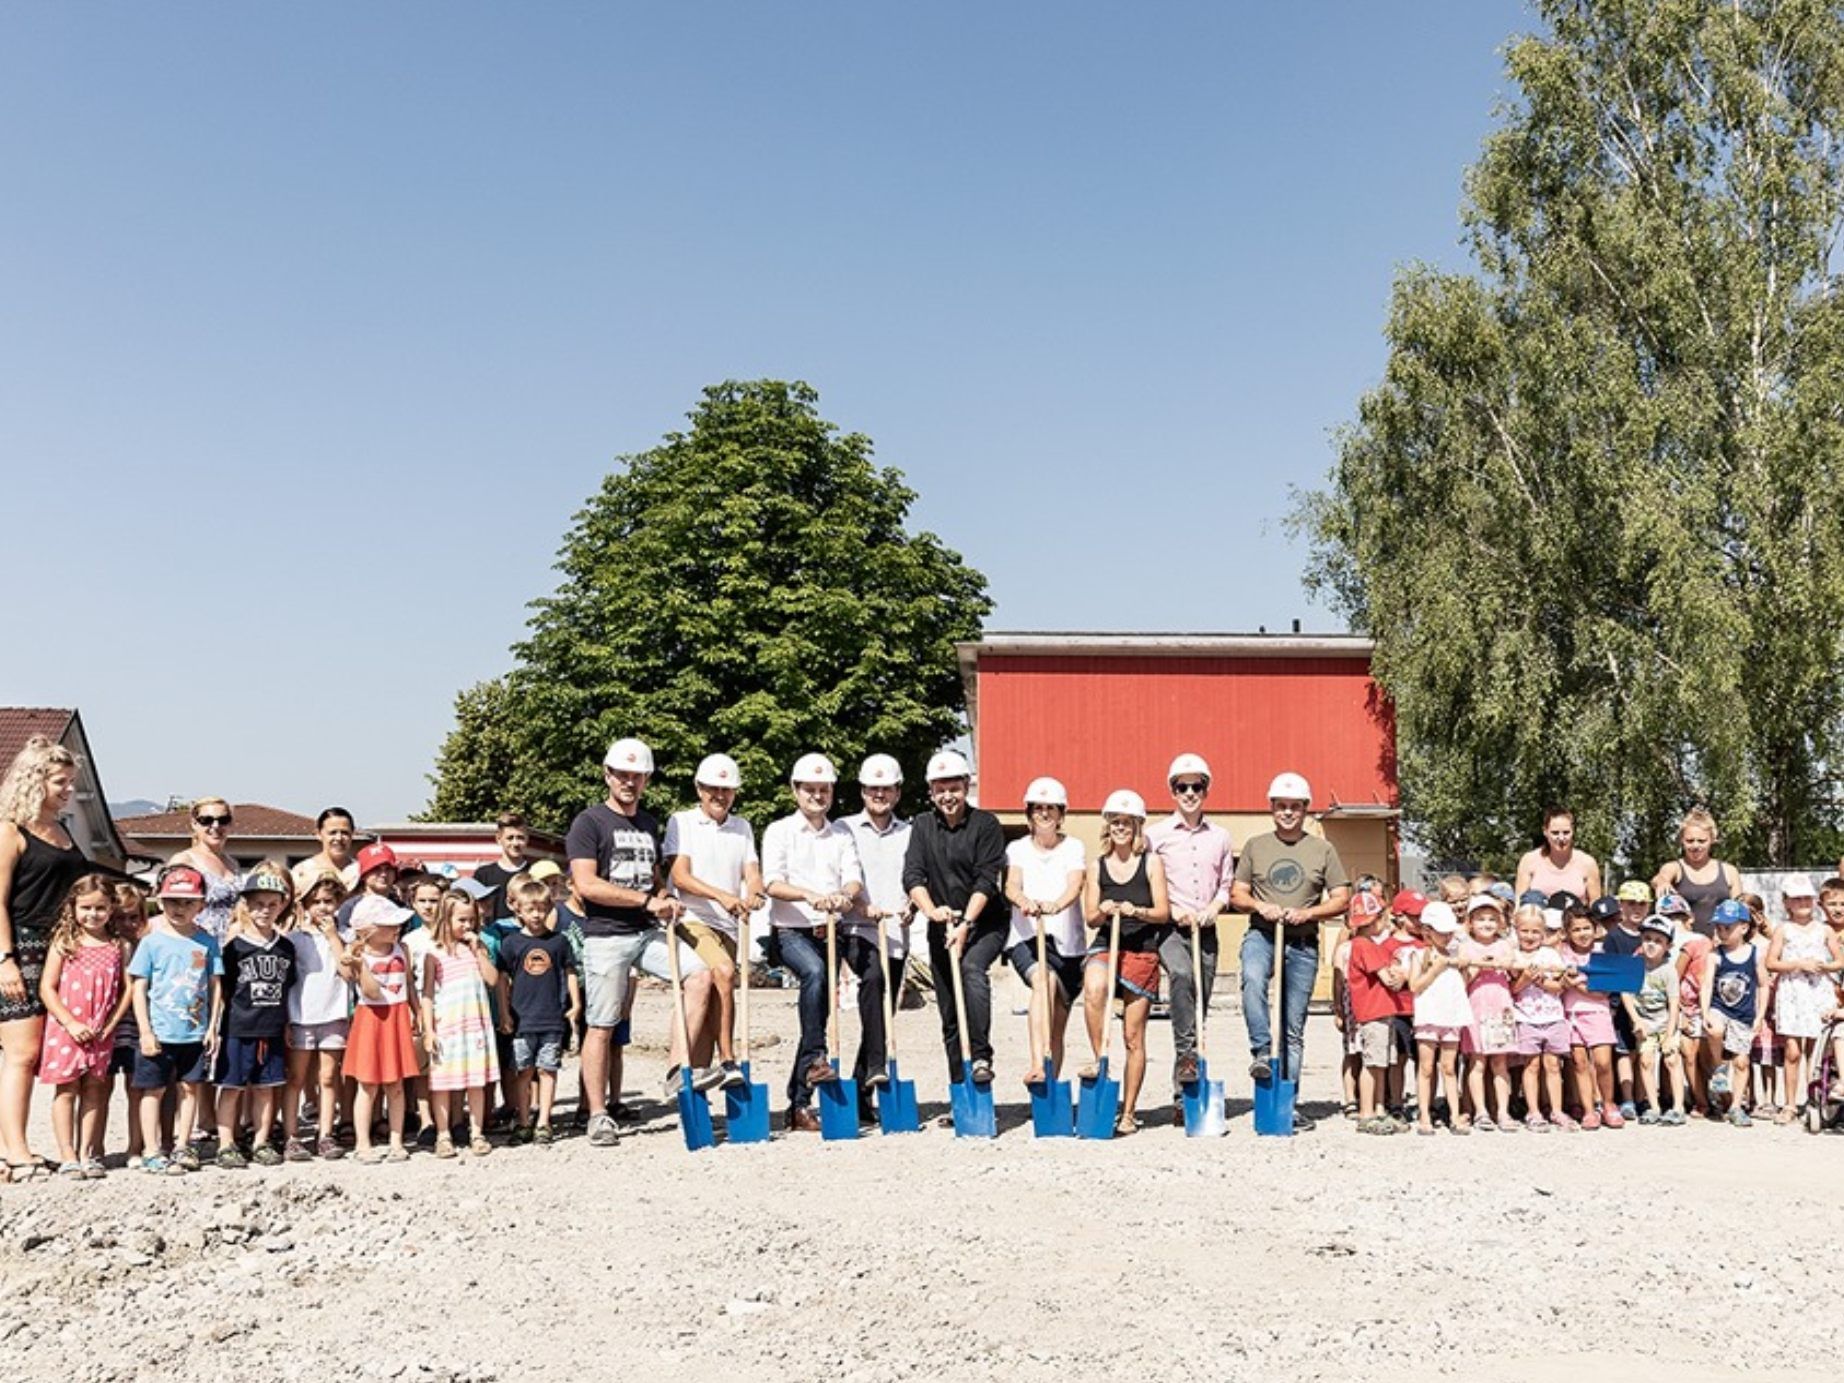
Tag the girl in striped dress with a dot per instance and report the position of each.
(457, 973)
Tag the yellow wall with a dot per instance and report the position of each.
(1363, 845)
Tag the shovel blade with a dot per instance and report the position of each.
(897, 1111)
(1274, 1099)
(1098, 1106)
(694, 1116)
(1203, 1105)
(746, 1111)
(838, 1109)
(1053, 1114)
(974, 1115)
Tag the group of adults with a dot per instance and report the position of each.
(639, 884)
(948, 867)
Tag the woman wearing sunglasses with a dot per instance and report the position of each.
(209, 853)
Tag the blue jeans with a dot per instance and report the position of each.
(805, 954)
(1300, 970)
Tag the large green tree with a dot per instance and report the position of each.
(749, 586)
(1594, 512)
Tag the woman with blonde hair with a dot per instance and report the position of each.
(210, 855)
(1126, 884)
(38, 863)
(1696, 875)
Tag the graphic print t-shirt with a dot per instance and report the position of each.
(536, 967)
(179, 971)
(259, 978)
(626, 851)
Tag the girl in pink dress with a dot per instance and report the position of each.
(463, 1056)
(1483, 957)
(84, 997)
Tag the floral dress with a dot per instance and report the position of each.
(1801, 1001)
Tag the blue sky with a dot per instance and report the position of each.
(317, 323)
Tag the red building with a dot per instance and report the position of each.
(1106, 711)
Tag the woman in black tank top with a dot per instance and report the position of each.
(38, 864)
(1696, 876)
(1126, 882)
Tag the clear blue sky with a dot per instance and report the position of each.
(318, 322)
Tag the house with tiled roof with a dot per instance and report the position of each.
(88, 819)
(257, 833)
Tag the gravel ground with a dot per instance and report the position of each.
(1641, 1254)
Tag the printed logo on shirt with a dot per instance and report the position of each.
(263, 976)
(630, 860)
(536, 962)
(1731, 988)
(1286, 875)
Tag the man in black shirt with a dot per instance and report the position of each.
(954, 872)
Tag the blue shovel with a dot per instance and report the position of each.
(970, 1102)
(1614, 974)
(897, 1111)
(1053, 1114)
(745, 1105)
(1099, 1104)
(838, 1096)
(694, 1109)
(1203, 1097)
(1274, 1096)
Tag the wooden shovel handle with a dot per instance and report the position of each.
(1197, 985)
(960, 1008)
(678, 989)
(742, 974)
(883, 959)
(1107, 1019)
(832, 985)
(1274, 1008)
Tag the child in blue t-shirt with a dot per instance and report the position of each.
(178, 1007)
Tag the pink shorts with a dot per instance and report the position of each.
(1591, 1026)
(1536, 1039)
(1439, 1035)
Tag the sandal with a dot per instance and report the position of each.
(397, 1155)
(19, 1173)
(479, 1147)
(71, 1171)
(329, 1150)
(1126, 1126)
(444, 1145)
(1348, 1109)
(1092, 1071)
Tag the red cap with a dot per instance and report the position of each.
(376, 857)
(1408, 902)
(181, 881)
(1365, 905)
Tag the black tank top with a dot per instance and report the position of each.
(1135, 935)
(41, 878)
(1702, 897)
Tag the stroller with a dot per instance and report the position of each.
(1824, 1107)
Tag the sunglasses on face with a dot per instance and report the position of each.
(210, 821)
(1184, 788)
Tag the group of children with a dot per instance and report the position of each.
(404, 991)
(1500, 1005)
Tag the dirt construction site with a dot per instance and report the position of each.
(1643, 1253)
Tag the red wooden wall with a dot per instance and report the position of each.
(1103, 722)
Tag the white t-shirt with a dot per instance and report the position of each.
(320, 994)
(822, 861)
(718, 855)
(1045, 879)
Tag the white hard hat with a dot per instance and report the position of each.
(1188, 763)
(813, 768)
(630, 756)
(1046, 792)
(1290, 787)
(880, 771)
(718, 771)
(948, 764)
(1124, 802)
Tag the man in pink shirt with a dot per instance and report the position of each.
(1200, 865)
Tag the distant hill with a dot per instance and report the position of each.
(139, 806)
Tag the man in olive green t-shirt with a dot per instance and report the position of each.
(1297, 881)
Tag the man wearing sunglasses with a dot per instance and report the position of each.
(1200, 864)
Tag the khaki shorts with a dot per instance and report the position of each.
(1377, 1043)
(716, 949)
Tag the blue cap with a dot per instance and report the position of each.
(1532, 898)
(1502, 891)
(1730, 911)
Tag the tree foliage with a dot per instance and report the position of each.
(749, 587)
(1592, 515)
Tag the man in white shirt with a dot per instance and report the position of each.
(882, 838)
(810, 864)
(711, 862)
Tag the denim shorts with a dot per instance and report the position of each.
(543, 1050)
(1067, 969)
(609, 963)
